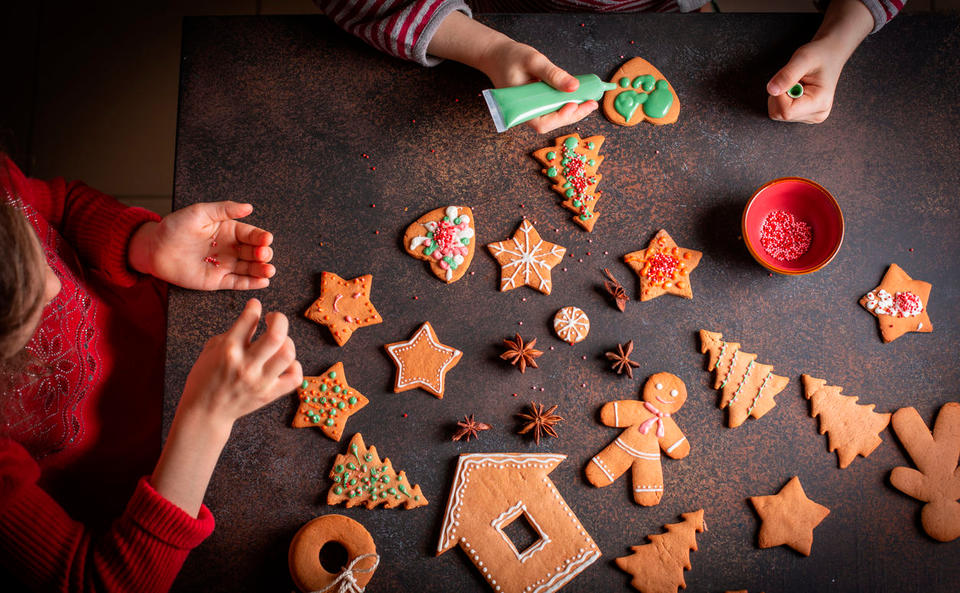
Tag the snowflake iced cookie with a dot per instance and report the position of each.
(344, 305)
(571, 325)
(642, 94)
(327, 402)
(422, 361)
(663, 267)
(572, 163)
(526, 259)
(899, 304)
(445, 238)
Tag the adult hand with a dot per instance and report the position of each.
(203, 247)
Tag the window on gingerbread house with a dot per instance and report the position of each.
(521, 532)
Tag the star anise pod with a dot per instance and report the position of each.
(521, 354)
(469, 428)
(615, 289)
(621, 359)
(539, 421)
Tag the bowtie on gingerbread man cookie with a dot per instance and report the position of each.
(650, 429)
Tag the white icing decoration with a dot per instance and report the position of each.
(529, 259)
(436, 382)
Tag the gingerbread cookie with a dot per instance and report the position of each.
(936, 481)
(422, 361)
(748, 387)
(658, 567)
(572, 163)
(445, 238)
(344, 305)
(788, 518)
(899, 304)
(491, 491)
(853, 427)
(526, 259)
(650, 428)
(571, 325)
(360, 477)
(304, 555)
(327, 402)
(642, 94)
(663, 267)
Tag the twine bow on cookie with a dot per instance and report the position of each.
(658, 417)
(345, 581)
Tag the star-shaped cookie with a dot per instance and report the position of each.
(663, 267)
(344, 305)
(789, 517)
(526, 259)
(327, 402)
(899, 304)
(422, 361)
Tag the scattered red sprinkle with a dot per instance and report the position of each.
(456, 100)
(373, 205)
(522, 206)
(214, 244)
(570, 254)
(519, 323)
(432, 150)
(784, 236)
(534, 387)
(589, 240)
(580, 260)
(621, 57)
(632, 42)
(583, 385)
(404, 415)
(514, 395)
(657, 152)
(911, 249)
(413, 121)
(541, 389)
(551, 347)
(212, 260)
(524, 299)
(416, 298)
(770, 274)
(472, 272)
(556, 230)
(583, 24)
(376, 232)
(606, 253)
(373, 168)
(564, 269)
(584, 357)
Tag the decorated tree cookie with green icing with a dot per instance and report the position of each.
(642, 94)
(572, 163)
(360, 477)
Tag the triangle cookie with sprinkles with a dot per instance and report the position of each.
(572, 163)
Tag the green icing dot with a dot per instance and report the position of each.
(341, 405)
(465, 241)
(332, 411)
(644, 82)
(329, 421)
(570, 192)
(591, 162)
(661, 99)
(305, 384)
(368, 457)
(570, 142)
(401, 487)
(353, 481)
(337, 479)
(456, 220)
(399, 478)
(338, 468)
(374, 496)
(392, 490)
(333, 374)
(590, 146)
(624, 82)
(315, 419)
(352, 400)
(337, 490)
(576, 203)
(551, 155)
(385, 479)
(336, 389)
(323, 387)
(567, 184)
(416, 498)
(351, 466)
(552, 172)
(430, 250)
(323, 400)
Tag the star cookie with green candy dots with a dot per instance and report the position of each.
(327, 402)
(572, 163)
(361, 478)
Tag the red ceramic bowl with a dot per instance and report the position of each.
(807, 201)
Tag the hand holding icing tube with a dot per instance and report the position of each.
(515, 105)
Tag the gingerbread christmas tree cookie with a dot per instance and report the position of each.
(788, 517)
(361, 478)
(642, 94)
(422, 361)
(571, 164)
(526, 259)
(748, 387)
(327, 402)
(658, 567)
(663, 267)
(899, 304)
(344, 305)
(445, 238)
(852, 427)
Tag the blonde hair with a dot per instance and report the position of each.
(21, 278)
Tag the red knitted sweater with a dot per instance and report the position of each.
(76, 436)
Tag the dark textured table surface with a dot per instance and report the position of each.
(278, 111)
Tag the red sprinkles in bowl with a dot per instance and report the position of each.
(784, 236)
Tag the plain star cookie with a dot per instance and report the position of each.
(445, 238)
(788, 517)
(422, 361)
(663, 267)
(327, 402)
(899, 304)
(344, 305)
(526, 259)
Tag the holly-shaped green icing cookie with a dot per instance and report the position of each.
(642, 93)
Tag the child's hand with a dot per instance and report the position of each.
(234, 376)
(818, 69)
(509, 63)
(203, 247)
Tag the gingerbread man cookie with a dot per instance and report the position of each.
(650, 429)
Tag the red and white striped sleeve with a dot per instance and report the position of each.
(883, 11)
(402, 28)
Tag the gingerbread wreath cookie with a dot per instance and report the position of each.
(491, 491)
(642, 94)
(327, 402)
(344, 305)
(422, 361)
(304, 555)
(663, 267)
(658, 567)
(526, 259)
(936, 481)
(571, 325)
(572, 163)
(360, 477)
(445, 238)
(853, 427)
(899, 304)
(788, 518)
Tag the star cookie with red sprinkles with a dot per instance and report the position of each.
(663, 267)
(344, 305)
(899, 304)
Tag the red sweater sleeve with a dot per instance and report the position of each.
(39, 544)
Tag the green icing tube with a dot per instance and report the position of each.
(514, 105)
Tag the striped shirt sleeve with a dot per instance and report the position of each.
(401, 28)
(883, 11)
